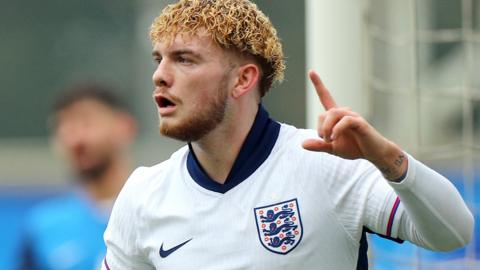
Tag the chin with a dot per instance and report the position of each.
(94, 171)
(185, 132)
(175, 133)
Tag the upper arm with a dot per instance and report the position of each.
(121, 235)
(363, 198)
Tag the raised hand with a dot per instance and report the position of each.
(348, 135)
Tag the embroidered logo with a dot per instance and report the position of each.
(165, 252)
(279, 226)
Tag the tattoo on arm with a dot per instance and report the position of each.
(393, 172)
(398, 162)
(385, 171)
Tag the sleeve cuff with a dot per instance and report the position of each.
(406, 181)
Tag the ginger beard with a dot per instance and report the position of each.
(205, 118)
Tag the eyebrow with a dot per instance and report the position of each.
(178, 52)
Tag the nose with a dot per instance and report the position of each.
(162, 76)
(73, 141)
(70, 137)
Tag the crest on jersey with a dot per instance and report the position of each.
(279, 226)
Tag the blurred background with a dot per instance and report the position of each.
(411, 67)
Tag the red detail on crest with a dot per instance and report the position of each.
(281, 235)
(276, 209)
(291, 205)
(263, 226)
(260, 212)
(294, 218)
(284, 247)
(266, 239)
(297, 232)
(278, 222)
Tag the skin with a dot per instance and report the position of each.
(193, 81)
(187, 76)
(348, 135)
(93, 139)
(193, 72)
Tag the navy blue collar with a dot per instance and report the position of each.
(255, 150)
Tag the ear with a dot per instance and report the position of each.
(248, 76)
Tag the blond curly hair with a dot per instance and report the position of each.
(237, 24)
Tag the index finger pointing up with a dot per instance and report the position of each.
(324, 95)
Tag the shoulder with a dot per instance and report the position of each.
(144, 176)
(71, 213)
(127, 220)
(293, 137)
(329, 169)
(289, 144)
(291, 132)
(148, 180)
(54, 211)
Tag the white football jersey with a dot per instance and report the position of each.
(282, 207)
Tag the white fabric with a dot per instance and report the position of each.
(336, 199)
(438, 218)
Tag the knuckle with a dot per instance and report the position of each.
(335, 110)
(341, 111)
(320, 133)
(326, 131)
(348, 118)
(322, 117)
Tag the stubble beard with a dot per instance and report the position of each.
(200, 123)
(95, 171)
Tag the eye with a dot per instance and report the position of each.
(183, 60)
(157, 59)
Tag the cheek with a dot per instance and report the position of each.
(103, 137)
(201, 82)
(200, 89)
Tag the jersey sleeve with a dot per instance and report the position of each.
(435, 215)
(382, 207)
(424, 208)
(121, 235)
(362, 197)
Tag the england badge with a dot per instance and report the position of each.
(279, 226)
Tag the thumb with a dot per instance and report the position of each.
(317, 145)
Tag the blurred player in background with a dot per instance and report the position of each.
(93, 130)
(248, 192)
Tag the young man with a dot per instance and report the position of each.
(251, 193)
(93, 130)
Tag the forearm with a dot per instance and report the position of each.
(393, 163)
(436, 216)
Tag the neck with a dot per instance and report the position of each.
(107, 185)
(218, 150)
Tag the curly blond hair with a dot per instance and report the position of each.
(237, 24)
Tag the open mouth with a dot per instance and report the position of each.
(164, 102)
(166, 106)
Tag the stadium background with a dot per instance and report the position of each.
(411, 67)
